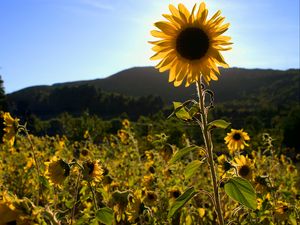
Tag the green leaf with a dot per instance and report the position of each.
(180, 110)
(105, 215)
(182, 152)
(183, 114)
(181, 200)
(44, 181)
(241, 191)
(194, 110)
(191, 168)
(177, 105)
(218, 124)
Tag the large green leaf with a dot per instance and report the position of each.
(180, 110)
(181, 200)
(241, 191)
(218, 124)
(182, 152)
(105, 215)
(191, 168)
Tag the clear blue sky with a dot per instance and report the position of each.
(51, 41)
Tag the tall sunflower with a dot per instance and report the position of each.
(190, 44)
(236, 140)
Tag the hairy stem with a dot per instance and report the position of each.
(209, 147)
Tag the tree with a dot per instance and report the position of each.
(3, 103)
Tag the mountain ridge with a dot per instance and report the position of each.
(143, 81)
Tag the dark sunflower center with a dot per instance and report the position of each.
(91, 167)
(237, 136)
(192, 43)
(176, 194)
(244, 171)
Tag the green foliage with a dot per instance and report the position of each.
(3, 101)
(192, 168)
(181, 201)
(181, 153)
(241, 191)
(105, 215)
(218, 124)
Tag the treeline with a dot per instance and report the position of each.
(47, 103)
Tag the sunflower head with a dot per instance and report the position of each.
(236, 140)
(126, 123)
(174, 193)
(223, 165)
(57, 170)
(149, 197)
(135, 207)
(93, 170)
(281, 210)
(189, 44)
(244, 166)
(10, 128)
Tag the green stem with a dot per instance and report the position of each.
(35, 162)
(94, 196)
(209, 146)
(76, 198)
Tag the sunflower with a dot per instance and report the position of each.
(236, 140)
(9, 213)
(149, 198)
(190, 44)
(57, 170)
(244, 167)
(135, 207)
(11, 128)
(174, 193)
(93, 170)
(126, 123)
(281, 211)
(223, 165)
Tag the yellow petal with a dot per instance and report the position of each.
(159, 34)
(174, 71)
(177, 83)
(201, 9)
(191, 18)
(159, 55)
(174, 11)
(166, 28)
(184, 12)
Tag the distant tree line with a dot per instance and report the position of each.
(75, 100)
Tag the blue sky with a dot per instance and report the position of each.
(52, 41)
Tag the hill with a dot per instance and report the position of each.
(143, 90)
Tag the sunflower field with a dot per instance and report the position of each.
(129, 179)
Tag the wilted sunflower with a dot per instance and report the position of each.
(244, 167)
(10, 129)
(236, 140)
(57, 170)
(190, 44)
(93, 170)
